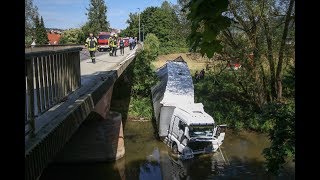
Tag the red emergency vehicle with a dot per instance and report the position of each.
(103, 38)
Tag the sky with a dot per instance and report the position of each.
(65, 14)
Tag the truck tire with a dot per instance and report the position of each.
(175, 148)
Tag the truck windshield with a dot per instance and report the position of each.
(104, 36)
(195, 131)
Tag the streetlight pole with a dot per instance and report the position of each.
(139, 25)
(143, 32)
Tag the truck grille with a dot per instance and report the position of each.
(198, 145)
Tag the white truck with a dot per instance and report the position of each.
(181, 123)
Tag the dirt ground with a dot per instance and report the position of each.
(194, 61)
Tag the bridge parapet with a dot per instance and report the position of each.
(50, 76)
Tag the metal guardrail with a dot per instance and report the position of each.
(38, 48)
(50, 76)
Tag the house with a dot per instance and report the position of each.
(54, 37)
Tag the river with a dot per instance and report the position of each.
(147, 158)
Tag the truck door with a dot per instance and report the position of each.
(182, 127)
(175, 128)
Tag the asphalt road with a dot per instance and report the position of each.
(84, 54)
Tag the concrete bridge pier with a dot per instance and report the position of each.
(99, 139)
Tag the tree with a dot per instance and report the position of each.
(207, 21)
(257, 38)
(163, 22)
(282, 147)
(133, 29)
(31, 14)
(40, 32)
(97, 17)
(72, 36)
(261, 28)
(151, 46)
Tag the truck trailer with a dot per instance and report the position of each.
(182, 124)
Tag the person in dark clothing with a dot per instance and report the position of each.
(121, 44)
(196, 76)
(115, 45)
(202, 74)
(91, 45)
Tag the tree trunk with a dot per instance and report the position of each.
(270, 60)
(281, 51)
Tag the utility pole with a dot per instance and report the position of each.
(139, 25)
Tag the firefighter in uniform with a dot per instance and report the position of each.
(91, 45)
(111, 41)
(115, 45)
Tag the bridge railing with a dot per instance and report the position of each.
(50, 77)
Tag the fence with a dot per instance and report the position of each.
(50, 77)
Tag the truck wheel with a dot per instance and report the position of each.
(175, 148)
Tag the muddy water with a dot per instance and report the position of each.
(147, 158)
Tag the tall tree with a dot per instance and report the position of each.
(40, 32)
(97, 17)
(163, 22)
(207, 21)
(31, 14)
(43, 36)
(258, 39)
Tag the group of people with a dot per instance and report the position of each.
(132, 42)
(199, 75)
(114, 43)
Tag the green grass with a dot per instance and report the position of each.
(140, 107)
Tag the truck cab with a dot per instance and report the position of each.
(192, 131)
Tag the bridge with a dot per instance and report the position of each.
(61, 91)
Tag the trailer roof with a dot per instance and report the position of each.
(176, 79)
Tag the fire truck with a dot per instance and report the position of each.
(103, 38)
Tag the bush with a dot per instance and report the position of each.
(140, 108)
(72, 36)
(151, 46)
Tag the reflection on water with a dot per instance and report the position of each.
(147, 158)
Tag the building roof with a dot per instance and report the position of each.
(53, 37)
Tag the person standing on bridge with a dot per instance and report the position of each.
(91, 45)
(115, 45)
(121, 44)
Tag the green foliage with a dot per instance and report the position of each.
(140, 107)
(143, 79)
(40, 32)
(206, 23)
(226, 103)
(143, 76)
(282, 136)
(161, 21)
(97, 18)
(151, 45)
(72, 36)
(133, 29)
(31, 13)
(289, 83)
